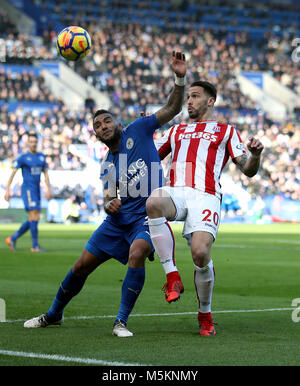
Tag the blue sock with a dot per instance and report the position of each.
(71, 286)
(34, 233)
(23, 228)
(131, 288)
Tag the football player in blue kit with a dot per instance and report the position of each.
(33, 164)
(130, 171)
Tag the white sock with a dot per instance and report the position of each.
(163, 242)
(204, 279)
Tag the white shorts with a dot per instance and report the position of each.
(199, 211)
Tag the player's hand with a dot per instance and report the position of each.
(255, 146)
(113, 206)
(48, 195)
(178, 63)
(6, 195)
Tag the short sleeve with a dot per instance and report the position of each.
(144, 125)
(18, 163)
(45, 164)
(163, 144)
(235, 144)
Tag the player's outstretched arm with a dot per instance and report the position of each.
(10, 180)
(47, 182)
(249, 166)
(175, 101)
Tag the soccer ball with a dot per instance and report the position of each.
(73, 43)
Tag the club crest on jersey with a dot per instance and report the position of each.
(129, 143)
(216, 129)
(240, 146)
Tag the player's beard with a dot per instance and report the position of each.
(112, 140)
(198, 113)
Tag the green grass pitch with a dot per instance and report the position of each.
(257, 278)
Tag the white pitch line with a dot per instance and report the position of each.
(83, 317)
(63, 358)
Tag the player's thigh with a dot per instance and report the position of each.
(138, 252)
(31, 199)
(169, 201)
(88, 262)
(203, 214)
(109, 238)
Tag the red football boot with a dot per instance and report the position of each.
(173, 288)
(206, 324)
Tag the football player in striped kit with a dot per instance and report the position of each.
(199, 151)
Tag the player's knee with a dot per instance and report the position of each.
(79, 268)
(34, 215)
(200, 255)
(136, 259)
(154, 207)
(85, 264)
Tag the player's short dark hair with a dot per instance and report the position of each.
(102, 111)
(32, 134)
(208, 87)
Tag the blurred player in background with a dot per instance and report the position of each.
(33, 164)
(130, 171)
(199, 151)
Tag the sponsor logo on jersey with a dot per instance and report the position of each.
(197, 135)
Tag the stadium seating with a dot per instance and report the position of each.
(129, 62)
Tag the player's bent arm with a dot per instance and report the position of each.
(248, 166)
(175, 101)
(173, 106)
(10, 180)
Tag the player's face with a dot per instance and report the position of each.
(106, 128)
(32, 143)
(198, 102)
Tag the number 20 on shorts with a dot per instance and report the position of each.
(209, 217)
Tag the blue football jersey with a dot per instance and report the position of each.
(32, 166)
(134, 171)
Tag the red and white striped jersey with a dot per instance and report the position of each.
(199, 152)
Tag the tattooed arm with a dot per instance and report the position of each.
(175, 101)
(249, 166)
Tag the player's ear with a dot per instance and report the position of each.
(211, 102)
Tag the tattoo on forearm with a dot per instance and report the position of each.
(173, 106)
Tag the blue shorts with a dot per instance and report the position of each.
(31, 198)
(114, 240)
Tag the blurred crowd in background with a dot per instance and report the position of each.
(130, 62)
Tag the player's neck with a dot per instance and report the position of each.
(114, 146)
(207, 116)
(32, 151)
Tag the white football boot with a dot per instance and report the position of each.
(120, 330)
(41, 321)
